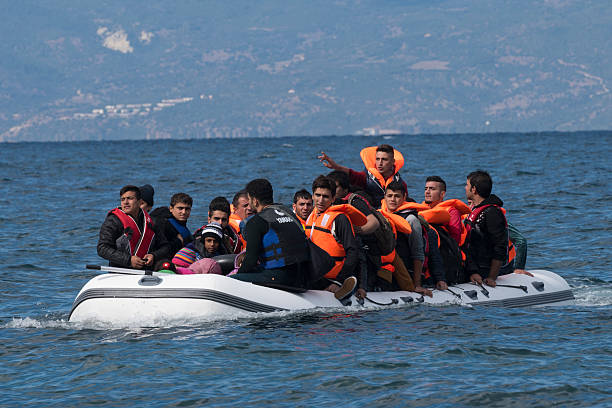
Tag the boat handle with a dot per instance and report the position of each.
(148, 280)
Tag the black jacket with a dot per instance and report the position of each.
(488, 238)
(114, 245)
(434, 258)
(160, 216)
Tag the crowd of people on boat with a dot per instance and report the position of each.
(352, 232)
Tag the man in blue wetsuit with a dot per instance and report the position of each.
(277, 252)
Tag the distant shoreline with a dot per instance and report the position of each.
(382, 135)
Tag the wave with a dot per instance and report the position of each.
(31, 323)
(26, 267)
(592, 295)
(238, 318)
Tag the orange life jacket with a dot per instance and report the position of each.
(400, 224)
(431, 215)
(463, 211)
(406, 205)
(368, 156)
(439, 216)
(303, 222)
(455, 203)
(319, 230)
(234, 223)
(436, 215)
(140, 241)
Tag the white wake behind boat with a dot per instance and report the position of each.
(123, 300)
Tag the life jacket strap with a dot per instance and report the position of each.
(320, 229)
(273, 248)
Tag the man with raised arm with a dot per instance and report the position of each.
(128, 237)
(382, 164)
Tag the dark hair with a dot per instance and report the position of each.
(181, 198)
(326, 183)
(482, 181)
(365, 195)
(386, 148)
(341, 178)
(261, 189)
(147, 192)
(241, 193)
(397, 185)
(130, 187)
(219, 204)
(437, 179)
(303, 193)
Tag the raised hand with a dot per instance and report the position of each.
(327, 161)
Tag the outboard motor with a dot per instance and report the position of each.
(226, 262)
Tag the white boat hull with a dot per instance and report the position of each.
(124, 300)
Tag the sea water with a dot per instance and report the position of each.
(54, 196)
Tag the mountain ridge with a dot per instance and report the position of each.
(273, 69)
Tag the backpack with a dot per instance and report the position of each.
(451, 256)
(384, 233)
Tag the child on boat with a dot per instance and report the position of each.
(205, 245)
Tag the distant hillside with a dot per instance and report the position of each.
(120, 70)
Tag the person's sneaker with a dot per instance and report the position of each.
(347, 288)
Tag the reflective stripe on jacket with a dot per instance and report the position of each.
(319, 230)
(140, 241)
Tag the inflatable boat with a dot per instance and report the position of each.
(150, 299)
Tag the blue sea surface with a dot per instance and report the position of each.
(54, 196)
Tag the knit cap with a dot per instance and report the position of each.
(146, 193)
(185, 257)
(212, 229)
